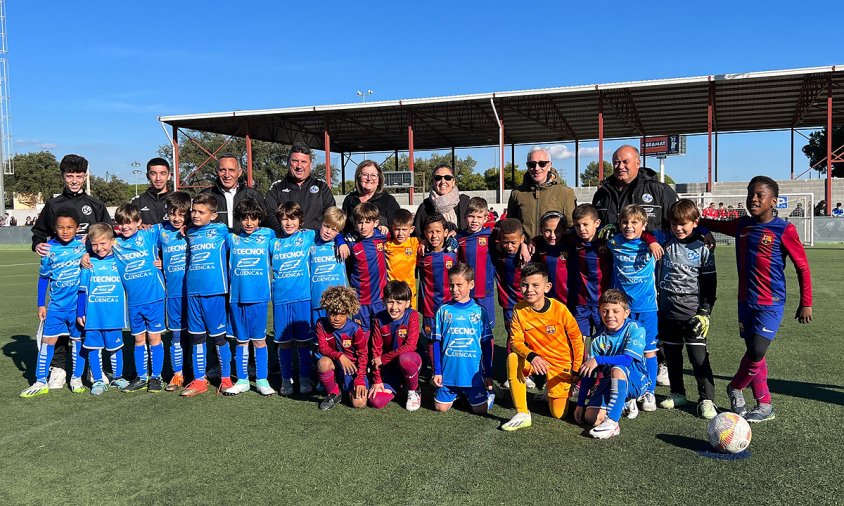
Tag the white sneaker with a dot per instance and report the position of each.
(607, 429)
(306, 386)
(57, 378)
(76, 385)
(631, 410)
(662, 376)
(648, 402)
(238, 388)
(519, 421)
(286, 387)
(35, 390)
(414, 400)
(264, 388)
(530, 383)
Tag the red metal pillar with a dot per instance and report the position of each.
(248, 160)
(176, 158)
(327, 141)
(600, 137)
(829, 145)
(501, 161)
(709, 136)
(410, 158)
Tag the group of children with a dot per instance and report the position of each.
(585, 308)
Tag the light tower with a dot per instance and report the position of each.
(5, 116)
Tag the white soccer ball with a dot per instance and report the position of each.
(729, 433)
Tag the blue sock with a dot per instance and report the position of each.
(262, 356)
(618, 394)
(176, 351)
(157, 358)
(45, 356)
(117, 363)
(199, 361)
(225, 354)
(304, 361)
(241, 358)
(95, 360)
(653, 367)
(141, 361)
(78, 359)
(285, 361)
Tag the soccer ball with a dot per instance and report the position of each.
(729, 433)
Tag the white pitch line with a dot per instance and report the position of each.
(17, 265)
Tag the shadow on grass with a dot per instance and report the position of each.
(24, 354)
(687, 443)
(832, 394)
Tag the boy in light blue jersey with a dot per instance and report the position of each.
(634, 266)
(617, 352)
(60, 273)
(249, 295)
(206, 285)
(462, 351)
(101, 309)
(135, 252)
(172, 244)
(292, 297)
(327, 269)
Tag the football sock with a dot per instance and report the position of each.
(699, 357)
(141, 361)
(557, 406)
(652, 365)
(410, 363)
(117, 363)
(95, 359)
(759, 383)
(156, 352)
(304, 360)
(328, 381)
(742, 378)
(261, 358)
(77, 359)
(225, 355)
(618, 394)
(176, 351)
(518, 388)
(381, 400)
(285, 361)
(241, 358)
(674, 362)
(199, 351)
(45, 356)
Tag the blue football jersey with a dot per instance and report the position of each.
(105, 300)
(634, 272)
(291, 273)
(207, 267)
(463, 329)
(326, 270)
(61, 267)
(249, 266)
(135, 255)
(628, 340)
(173, 246)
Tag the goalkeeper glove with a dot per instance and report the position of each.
(699, 325)
(606, 232)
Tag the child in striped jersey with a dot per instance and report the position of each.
(367, 263)
(508, 269)
(433, 267)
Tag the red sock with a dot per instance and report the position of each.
(742, 377)
(381, 400)
(759, 383)
(410, 362)
(328, 381)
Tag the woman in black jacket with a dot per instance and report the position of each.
(369, 187)
(444, 199)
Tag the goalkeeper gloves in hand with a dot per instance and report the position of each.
(699, 325)
(606, 232)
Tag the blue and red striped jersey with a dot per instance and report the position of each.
(367, 266)
(473, 249)
(761, 249)
(554, 258)
(390, 338)
(433, 278)
(590, 270)
(348, 340)
(508, 275)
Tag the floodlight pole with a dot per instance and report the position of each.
(410, 158)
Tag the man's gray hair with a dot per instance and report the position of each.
(536, 149)
(229, 155)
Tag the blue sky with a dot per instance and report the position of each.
(91, 77)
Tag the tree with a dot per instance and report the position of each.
(113, 191)
(815, 150)
(589, 177)
(37, 177)
(491, 177)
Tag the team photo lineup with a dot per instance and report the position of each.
(601, 301)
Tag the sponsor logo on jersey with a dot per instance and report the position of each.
(86, 210)
(135, 266)
(550, 329)
(247, 262)
(323, 269)
(767, 239)
(463, 331)
(200, 257)
(647, 198)
(103, 289)
(314, 189)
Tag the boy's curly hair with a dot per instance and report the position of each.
(340, 300)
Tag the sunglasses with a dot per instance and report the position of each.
(447, 177)
(541, 163)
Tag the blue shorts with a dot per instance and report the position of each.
(249, 321)
(366, 313)
(177, 313)
(316, 314)
(346, 381)
(636, 387)
(476, 395)
(147, 318)
(111, 340)
(488, 303)
(291, 321)
(650, 322)
(588, 318)
(508, 320)
(207, 313)
(763, 322)
(61, 323)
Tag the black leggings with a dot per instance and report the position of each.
(757, 346)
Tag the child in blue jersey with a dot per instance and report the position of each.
(101, 309)
(327, 268)
(249, 295)
(172, 244)
(462, 355)
(634, 266)
(60, 273)
(207, 284)
(292, 297)
(617, 352)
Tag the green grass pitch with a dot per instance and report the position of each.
(146, 449)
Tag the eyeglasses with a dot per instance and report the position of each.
(541, 163)
(368, 176)
(447, 177)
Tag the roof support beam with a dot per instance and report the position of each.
(622, 102)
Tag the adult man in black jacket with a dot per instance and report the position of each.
(299, 186)
(229, 190)
(151, 202)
